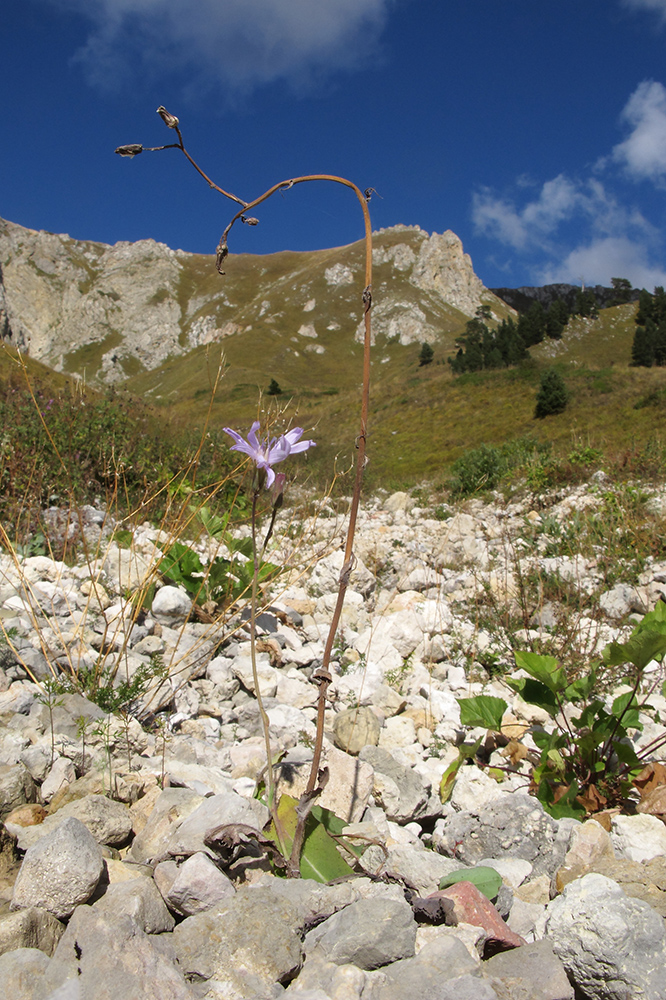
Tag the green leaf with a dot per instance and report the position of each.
(546, 741)
(625, 707)
(626, 754)
(642, 647)
(535, 693)
(334, 826)
(594, 716)
(482, 710)
(465, 751)
(655, 619)
(565, 806)
(543, 668)
(581, 689)
(486, 880)
(320, 858)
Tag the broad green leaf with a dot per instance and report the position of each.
(334, 826)
(482, 710)
(320, 858)
(655, 619)
(546, 741)
(486, 879)
(594, 716)
(543, 668)
(625, 708)
(626, 754)
(535, 693)
(565, 806)
(642, 647)
(581, 689)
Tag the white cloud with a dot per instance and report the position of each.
(659, 6)
(643, 152)
(235, 44)
(560, 199)
(600, 259)
(518, 228)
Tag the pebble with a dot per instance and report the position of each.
(118, 892)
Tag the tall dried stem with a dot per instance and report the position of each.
(322, 676)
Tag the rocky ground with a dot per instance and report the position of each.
(110, 886)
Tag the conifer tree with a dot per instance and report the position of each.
(552, 396)
(643, 347)
(622, 289)
(426, 355)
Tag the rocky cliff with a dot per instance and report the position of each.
(107, 312)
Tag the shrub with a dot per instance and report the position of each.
(552, 396)
(587, 761)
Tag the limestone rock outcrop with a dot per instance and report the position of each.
(105, 313)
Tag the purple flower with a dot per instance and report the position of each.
(270, 451)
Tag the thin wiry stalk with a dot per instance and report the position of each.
(322, 676)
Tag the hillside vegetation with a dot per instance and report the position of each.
(422, 417)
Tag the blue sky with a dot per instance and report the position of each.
(535, 130)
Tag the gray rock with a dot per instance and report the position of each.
(321, 980)
(173, 805)
(31, 928)
(612, 947)
(424, 976)
(369, 934)
(66, 714)
(355, 728)
(249, 942)
(60, 871)
(214, 811)
(638, 838)
(197, 885)
(399, 790)
(38, 761)
(112, 959)
(348, 788)
(60, 775)
(22, 974)
(16, 787)
(313, 901)
(535, 967)
(108, 821)
(621, 601)
(422, 870)
(140, 899)
(514, 826)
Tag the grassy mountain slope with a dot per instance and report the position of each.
(421, 418)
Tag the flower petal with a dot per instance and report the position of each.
(252, 436)
(302, 446)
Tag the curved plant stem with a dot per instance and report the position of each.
(322, 676)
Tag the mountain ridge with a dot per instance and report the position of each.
(106, 313)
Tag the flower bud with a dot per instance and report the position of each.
(133, 149)
(169, 120)
(277, 490)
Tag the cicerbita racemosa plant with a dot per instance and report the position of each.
(271, 450)
(265, 454)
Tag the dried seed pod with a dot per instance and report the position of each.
(169, 120)
(249, 220)
(133, 149)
